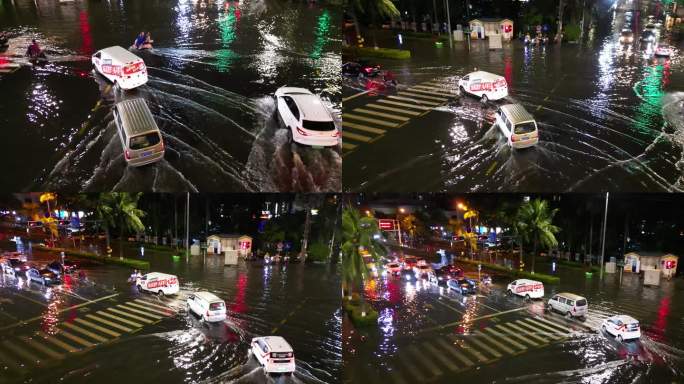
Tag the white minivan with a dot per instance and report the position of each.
(274, 353)
(140, 136)
(485, 85)
(306, 117)
(159, 283)
(623, 327)
(517, 125)
(529, 289)
(206, 305)
(121, 67)
(568, 304)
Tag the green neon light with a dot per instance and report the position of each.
(322, 31)
(225, 55)
(650, 89)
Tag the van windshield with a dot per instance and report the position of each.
(581, 303)
(144, 141)
(319, 125)
(216, 306)
(524, 128)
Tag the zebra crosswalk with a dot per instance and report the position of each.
(20, 352)
(372, 121)
(446, 355)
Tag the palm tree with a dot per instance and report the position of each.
(357, 240)
(534, 223)
(120, 210)
(373, 8)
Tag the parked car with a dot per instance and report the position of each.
(274, 354)
(568, 304)
(360, 68)
(206, 305)
(463, 286)
(55, 267)
(43, 276)
(393, 268)
(306, 118)
(14, 267)
(623, 327)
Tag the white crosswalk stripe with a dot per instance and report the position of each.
(508, 329)
(499, 339)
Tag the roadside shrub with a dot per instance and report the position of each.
(571, 32)
(318, 252)
(544, 278)
(385, 53)
(137, 264)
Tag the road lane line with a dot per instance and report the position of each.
(431, 91)
(23, 322)
(430, 103)
(356, 137)
(494, 335)
(440, 356)
(516, 335)
(354, 96)
(75, 338)
(369, 120)
(33, 359)
(121, 319)
(560, 327)
(483, 345)
(31, 300)
(152, 310)
(85, 332)
(491, 167)
(492, 340)
(455, 323)
(411, 367)
(469, 348)
(538, 107)
(391, 109)
(420, 107)
(348, 146)
(122, 313)
(110, 323)
(97, 327)
(158, 306)
(364, 128)
(57, 342)
(431, 366)
(449, 306)
(542, 325)
(381, 114)
(534, 332)
(453, 350)
(42, 348)
(546, 98)
(134, 310)
(421, 97)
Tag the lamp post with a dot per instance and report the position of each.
(603, 237)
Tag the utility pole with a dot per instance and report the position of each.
(584, 3)
(187, 227)
(434, 10)
(451, 41)
(560, 21)
(603, 236)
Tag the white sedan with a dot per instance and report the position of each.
(623, 327)
(307, 119)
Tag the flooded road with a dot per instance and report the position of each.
(212, 73)
(431, 334)
(609, 117)
(104, 330)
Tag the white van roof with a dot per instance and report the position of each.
(528, 281)
(121, 54)
(208, 296)
(277, 344)
(158, 275)
(487, 76)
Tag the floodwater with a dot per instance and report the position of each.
(427, 333)
(164, 343)
(212, 73)
(609, 117)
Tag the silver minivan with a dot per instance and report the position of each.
(568, 304)
(140, 137)
(517, 125)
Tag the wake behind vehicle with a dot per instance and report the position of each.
(206, 305)
(487, 86)
(274, 354)
(43, 276)
(529, 289)
(140, 137)
(517, 125)
(568, 304)
(623, 327)
(306, 117)
(121, 67)
(159, 283)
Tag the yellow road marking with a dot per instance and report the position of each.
(491, 167)
(354, 96)
(540, 324)
(482, 344)
(110, 323)
(538, 107)
(21, 352)
(144, 320)
(56, 341)
(546, 98)
(440, 356)
(162, 307)
(360, 127)
(432, 90)
(31, 300)
(348, 145)
(468, 347)
(121, 319)
(42, 348)
(516, 335)
(386, 108)
(528, 331)
(75, 338)
(493, 340)
(534, 332)
(10, 362)
(385, 115)
(85, 332)
(423, 97)
(431, 103)
(560, 327)
(368, 119)
(354, 136)
(95, 326)
(163, 313)
(453, 350)
(134, 310)
(414, 106)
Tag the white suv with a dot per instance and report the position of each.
(306, 117)
(274, 353)
(623, 327)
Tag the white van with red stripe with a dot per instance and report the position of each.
(487, 86)
(121, 67)
(529, 289)
(159, 283)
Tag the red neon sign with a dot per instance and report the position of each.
(386, 224)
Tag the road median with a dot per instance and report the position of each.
(139, 264)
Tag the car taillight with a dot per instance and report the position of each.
(514, 138)
(127, 154)
(162, 147)
(336, 134)
(534, 134)
(301, 132)
(208, 313)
